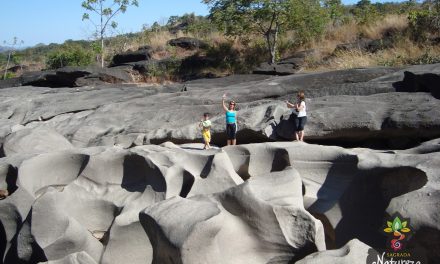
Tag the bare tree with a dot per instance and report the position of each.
(105, 14)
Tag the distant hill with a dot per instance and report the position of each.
(3, 49)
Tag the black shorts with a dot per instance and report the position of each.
(231, 131)
(300, 122)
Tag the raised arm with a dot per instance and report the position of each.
(290, 105)
(225, 108)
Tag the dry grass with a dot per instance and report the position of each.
(333, 36)
(342, 60)
(342, 34)
(407, 53)
(404, 52)
(389, 24)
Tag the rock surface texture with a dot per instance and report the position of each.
(259, 203)
(359, 107)
(101, 174)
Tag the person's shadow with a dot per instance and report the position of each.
(413, 83)
(285, 127)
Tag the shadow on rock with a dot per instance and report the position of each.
(365, 200)
(24, 248)
(139, 173)
(413, 83)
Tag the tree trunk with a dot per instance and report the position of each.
(275, 45)
(102, 50)
(270, 48)
(102, 37)
(272, 43)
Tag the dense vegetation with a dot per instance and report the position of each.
(239, 31)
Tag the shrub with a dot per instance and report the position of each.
(9, 75)
(69, 55)
(365, 13)
(420, 22)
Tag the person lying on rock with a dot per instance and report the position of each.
(300, 111)
(205, 125)
(231, 121)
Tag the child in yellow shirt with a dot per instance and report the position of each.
(205, 125)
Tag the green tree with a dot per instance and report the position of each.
(266, 17)
(436, 15)
(173, 20)
(365, 12)
(335, 10)
(155, 27)
(105, 14)
(425, 21)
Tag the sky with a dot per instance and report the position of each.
(54, 21)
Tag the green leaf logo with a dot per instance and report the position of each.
(397, 224)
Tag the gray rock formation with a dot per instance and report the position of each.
(142, 54)
(352, 108)
(81, 180)
(72, 77)
(168, 204)
(42, 139)
(269, 223)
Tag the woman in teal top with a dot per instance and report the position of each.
(231, 121)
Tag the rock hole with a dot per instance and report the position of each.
(280, 161)
(139, 172)
(188, 181)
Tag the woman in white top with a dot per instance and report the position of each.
(301, 119)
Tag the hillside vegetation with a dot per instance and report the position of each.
(404, 33)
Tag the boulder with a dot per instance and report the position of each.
(27, 77)
(78, 76)
(188, 43)
(142, 54)
(72, 77)
(157, 67)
